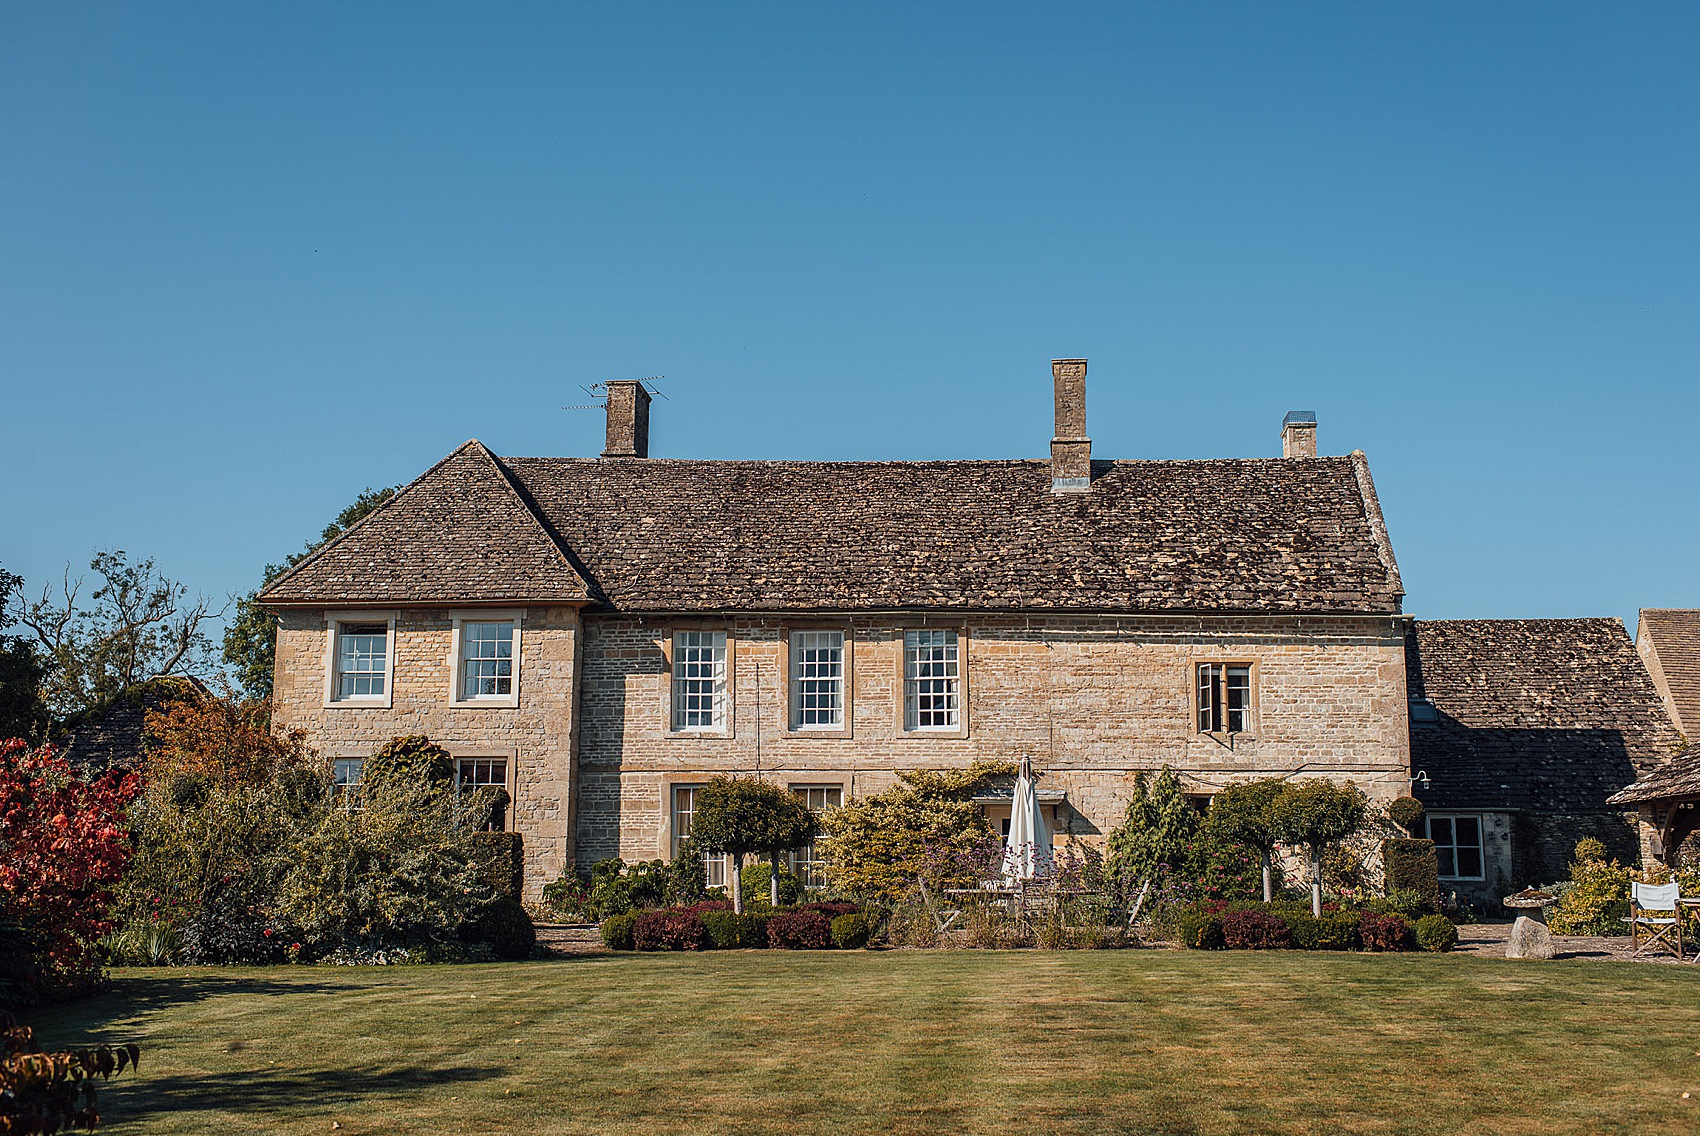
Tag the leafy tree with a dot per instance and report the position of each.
(737, 816)
(63, 846)
(1241, 814)
(877, 847)
(1314, 815)
(250, 640)
(23, 713)
(137, 625)
(413, 760)
(1159, 828)
(224, 739)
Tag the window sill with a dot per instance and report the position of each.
(485, 704)
(922, 732)
(359, 703)
(837, 732)
(699, 735)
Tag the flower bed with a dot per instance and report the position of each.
(1286, 925)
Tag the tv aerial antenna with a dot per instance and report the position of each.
(599, 391)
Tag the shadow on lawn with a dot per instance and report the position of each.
(276, 1090)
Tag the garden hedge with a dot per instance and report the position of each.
(1412, 865)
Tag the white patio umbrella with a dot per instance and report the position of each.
(1027, 852)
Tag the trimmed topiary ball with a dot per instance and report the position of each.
(617, 932)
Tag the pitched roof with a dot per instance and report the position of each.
(1669, 639)
(645, 534)
(1676, 779)
(460, 533)
(1543, 715)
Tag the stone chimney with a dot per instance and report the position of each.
(1298, 434)
(628, 419)
(1071, 449)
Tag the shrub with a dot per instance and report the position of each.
(672, 930)
(756, 882)
(1412, 866)
(1597, 901)
(617, 887)
(1400, 901)
(501, 861)
(52, 1092)
(852, 931)
(1384, 932)
(63, 845)
(567, 895)
(1436, 933)
(1590, 849)
(1255, 931)
(832, 909)
(1337, 931)
(728, 930)
(231, 929)
(506, 927)
(617, 932)
(409, 761)
(799, 931)
(1200, 930)
(1405, 812)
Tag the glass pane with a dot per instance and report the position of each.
(931, 678)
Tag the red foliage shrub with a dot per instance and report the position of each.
(799, 931)
(1384, 932)
(673, 929)
(64, 843)
(1255, 931)
(830, 910)
(708, 905)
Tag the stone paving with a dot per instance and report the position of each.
(1488, 940)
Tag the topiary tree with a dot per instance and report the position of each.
(1240, 814)
(407, 762)
(1406, 812)
(1313, 815)
(1159, 828)
(737, 816)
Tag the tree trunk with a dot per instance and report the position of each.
(737, 882)
(1315, 884)
(1268, 881)
(773, 882)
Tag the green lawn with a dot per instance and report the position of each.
(895, 1042)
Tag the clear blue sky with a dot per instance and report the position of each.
(257, 257)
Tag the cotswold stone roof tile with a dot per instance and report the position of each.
(1675, 637)
(1251, 535)
(639, 534)
(460, 533)
(1541, 715)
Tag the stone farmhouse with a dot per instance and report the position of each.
(1521, 729)
(600, 636)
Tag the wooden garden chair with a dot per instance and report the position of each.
(1653, 912)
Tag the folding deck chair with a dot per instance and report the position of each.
(1653, 912)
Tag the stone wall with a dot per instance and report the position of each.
(537, 736)
(1094, 701)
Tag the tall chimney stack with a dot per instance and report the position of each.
(1298, 434)
(1071, 449)
(628, 419)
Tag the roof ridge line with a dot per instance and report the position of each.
(339, 537)
(1377, 523)
(505, 476)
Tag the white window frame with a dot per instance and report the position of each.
(713, 866)
(334, 623)
(457, 676)
(722, 712)
(1250, 709)
(908, 723)
(1481, 841)
(507, 763)
(794, 644)
(343, 789)
(802, 861)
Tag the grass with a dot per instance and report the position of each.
(905, 1042)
